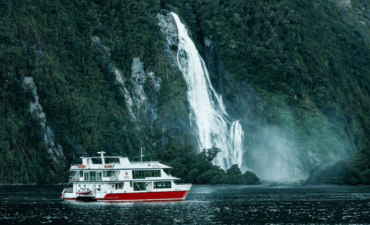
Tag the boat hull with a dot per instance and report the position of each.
(140, 197)
(146, 196)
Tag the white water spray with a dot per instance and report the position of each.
(207, 111)
(236, 135)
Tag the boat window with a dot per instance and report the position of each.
(130, 183)
(81, 173)
(86, 175)
(166, 184)
(119, 186)
(141, 174)
(98, 175)
(107, 173)
(92, 176)
(139, 186)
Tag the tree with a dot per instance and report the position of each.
(234, 170)
(210, 154)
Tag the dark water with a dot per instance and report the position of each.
(204, 205)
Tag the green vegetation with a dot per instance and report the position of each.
(198, 168)
(51, 41)
(350, 171)
(309, 66)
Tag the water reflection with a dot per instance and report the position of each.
(204, 204)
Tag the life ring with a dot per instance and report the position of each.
(74, 179)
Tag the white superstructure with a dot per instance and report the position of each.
(122, 180)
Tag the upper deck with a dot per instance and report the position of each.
(122, 164)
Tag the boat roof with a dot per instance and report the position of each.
(123, 164)
(116, 166)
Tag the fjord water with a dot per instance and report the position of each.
(207, 111)
(203, 205)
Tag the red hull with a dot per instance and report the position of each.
(147, 196)
(83, 193)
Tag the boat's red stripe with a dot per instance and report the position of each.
(171, 195)
(82, 193)
(69, 199)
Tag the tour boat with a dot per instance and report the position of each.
(122, 181)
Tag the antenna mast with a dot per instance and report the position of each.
(141, 154)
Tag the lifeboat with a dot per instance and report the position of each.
(84, 192)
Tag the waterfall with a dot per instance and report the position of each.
(207, 111)
(236, 135)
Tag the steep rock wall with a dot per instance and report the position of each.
(55, 150)
(267, 150)
(174, 113)
(357, 13)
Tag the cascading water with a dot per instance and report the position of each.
(236, 135)
(207, 111)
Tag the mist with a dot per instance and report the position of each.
(273, 156)
(286, 153)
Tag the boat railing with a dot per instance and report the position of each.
(144, 162)
(94, 166)
(68, 190)
(78, 166)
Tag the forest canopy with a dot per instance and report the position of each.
(304, 52)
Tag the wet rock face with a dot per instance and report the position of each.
(154, 81)
(121, 79)
(137, 102)
(55, 150)
(174, 119)
(169, 28)
(98, 45)
(145, 111)
(138, 78)
(236, 100)
(357, 14)
(312, 158)
(266, 151)
(138, 75)
(96, 42)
